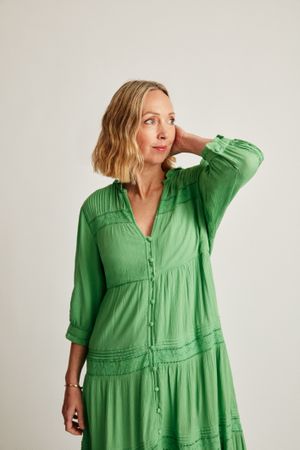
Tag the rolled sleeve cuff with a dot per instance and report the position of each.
(77, 335)
(215, 147)
(221, 144)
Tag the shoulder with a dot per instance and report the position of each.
(98, 202)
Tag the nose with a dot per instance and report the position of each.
(162, 131)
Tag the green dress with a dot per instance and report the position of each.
(158, 374)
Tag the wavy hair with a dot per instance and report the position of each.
(117, 153)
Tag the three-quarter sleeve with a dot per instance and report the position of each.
(226, 165)
(89, 284)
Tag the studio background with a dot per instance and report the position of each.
(232, 68)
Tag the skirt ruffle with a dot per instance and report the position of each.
(190, 404)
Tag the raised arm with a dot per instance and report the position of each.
(226, 165)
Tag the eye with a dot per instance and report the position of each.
(172, 118)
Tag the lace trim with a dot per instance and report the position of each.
(118, 363)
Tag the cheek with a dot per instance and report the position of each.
(144, 138)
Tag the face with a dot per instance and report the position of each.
(157, 127)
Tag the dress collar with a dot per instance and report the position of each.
(169, 174)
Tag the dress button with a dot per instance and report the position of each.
(151, 260)
(152, 300)
(156, 388)
(154, 368)
(151, 324)
(151, 347)
(158, 410)
(159, 431)
(149, 238)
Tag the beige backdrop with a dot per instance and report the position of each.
(232, 68)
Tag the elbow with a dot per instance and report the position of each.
(251, 159)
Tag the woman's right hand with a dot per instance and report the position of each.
(72, 411)
(178, 144)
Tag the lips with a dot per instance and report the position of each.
(160, 147)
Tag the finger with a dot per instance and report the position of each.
(71, 426)
(77, 420)
(81, 419)
(76, 428)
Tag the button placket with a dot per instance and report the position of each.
(151, 323)
(151, 271)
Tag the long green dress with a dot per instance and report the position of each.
(158, 374)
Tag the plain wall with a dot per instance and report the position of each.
(232, 68)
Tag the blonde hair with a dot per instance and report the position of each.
(117, 153)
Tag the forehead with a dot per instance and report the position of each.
(157, 102)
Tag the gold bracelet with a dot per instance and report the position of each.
(74, 385)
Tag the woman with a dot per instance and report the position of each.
(143, 311)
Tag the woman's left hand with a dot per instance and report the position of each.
(178, 145)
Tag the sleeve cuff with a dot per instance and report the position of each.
(216, 146)
(220, 143)
(77, 335)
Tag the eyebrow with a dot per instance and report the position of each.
(155, 113)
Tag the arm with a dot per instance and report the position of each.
(89, 285)
(88, 291)
(72, 408)
(194, 144)
(77, 357)
(226, 166)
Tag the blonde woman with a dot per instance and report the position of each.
(143, 311)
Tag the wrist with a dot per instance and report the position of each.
(195, 144)
(72, 382)
(73, 386)
(72, 378)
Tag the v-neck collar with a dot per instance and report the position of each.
(124, 192)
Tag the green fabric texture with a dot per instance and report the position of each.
(158, 374)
